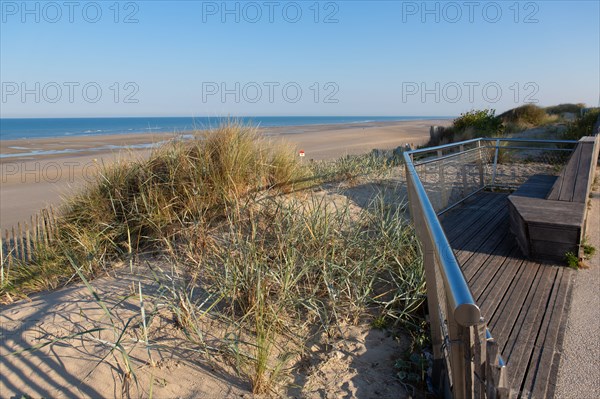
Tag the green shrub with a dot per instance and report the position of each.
(483, 122)
(471, 124)
(572, 260)
(582, 126)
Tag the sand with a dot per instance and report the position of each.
(357, 361)
(31, 182)
(359, 365)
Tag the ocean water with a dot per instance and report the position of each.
(31, 128)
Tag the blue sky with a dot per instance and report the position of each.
(202, 58)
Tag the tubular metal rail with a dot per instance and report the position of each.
(467, 362)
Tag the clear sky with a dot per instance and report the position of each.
(204, 58)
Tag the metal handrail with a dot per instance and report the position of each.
(488, 139)
(458, 144)
(463, 306)
(452, 330)
(466, 312)
(523, 140)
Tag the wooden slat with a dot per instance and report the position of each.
(27, 257)
(470, 260)
(483, 262)
(519, 342)
(582, 181)
(568, 277)
(551, 213)
(491, 285)
(537, 186)
(472, 239)
(474, 218)
(479, 360)
(548, 340)
(510, 306)
(9, 249)
(15, 243)
(454, 222)
(566, 181)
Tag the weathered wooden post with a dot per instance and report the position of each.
(456, 339)
(9, 250)
(27, 244)
(1, 262)
(496, 377)
(479, 358)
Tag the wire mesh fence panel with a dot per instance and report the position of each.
(454, 177)
(443, 314)
(515, 165)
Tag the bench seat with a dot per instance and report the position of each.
(547, 213)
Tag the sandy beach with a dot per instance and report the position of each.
(37, 173)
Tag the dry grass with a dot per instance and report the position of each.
(275, 269)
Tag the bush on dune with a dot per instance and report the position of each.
(582, 126)
(471, 124)
(484, 123)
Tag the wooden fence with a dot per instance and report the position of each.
(18, 244)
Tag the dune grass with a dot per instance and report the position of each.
(284, 273)
(277, 270)
(144, 204)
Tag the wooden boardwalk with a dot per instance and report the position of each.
(525, 303)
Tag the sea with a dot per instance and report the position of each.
(33, 128)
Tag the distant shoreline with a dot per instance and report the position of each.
(45, 128)
(43, 172)
(56, 146)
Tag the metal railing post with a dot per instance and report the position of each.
(495, 162)
(480, 164)
(442, 180)
(463, 171)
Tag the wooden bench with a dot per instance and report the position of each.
(548, 213)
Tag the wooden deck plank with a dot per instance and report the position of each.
(525, 303)
(497, 242)
(477, 267)
(519, 344)
(491, 285)
(569, 278)
(548, 342)
(479, 204)
(472, 216)
(471, 240)
(510, 305)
